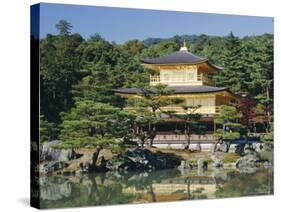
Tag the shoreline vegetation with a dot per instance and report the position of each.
(80, 161)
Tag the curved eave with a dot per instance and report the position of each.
(217, 68)
(177, 90)
(157, 66)
(145, 62)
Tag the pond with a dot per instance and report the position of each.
(165, 185)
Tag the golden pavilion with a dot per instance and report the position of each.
(188, 76)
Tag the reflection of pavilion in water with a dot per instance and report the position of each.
(191, 187)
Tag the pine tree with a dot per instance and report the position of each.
(63, 27)
(88, 123)
(229, 127)
(234, 75)
(262, 79)
(48, 130)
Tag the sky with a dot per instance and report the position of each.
(121, 24)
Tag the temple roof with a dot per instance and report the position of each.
(177, 89)
(182, 57)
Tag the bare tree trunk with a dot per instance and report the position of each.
(96, 156)
(255, 129)
(216, 144)
(94, 191)
(152, 135)
(153, 196)
(142, 142)
(186, 147)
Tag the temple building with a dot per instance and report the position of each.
(188, 76)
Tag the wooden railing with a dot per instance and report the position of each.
(181, 138)
(154, 80)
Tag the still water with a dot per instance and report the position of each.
(166, 185)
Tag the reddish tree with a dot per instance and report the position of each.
(246, 106)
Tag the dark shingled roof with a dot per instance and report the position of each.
(180, 57)
(177, 89)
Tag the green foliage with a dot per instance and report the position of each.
(48, 130)
(234, 67)
(267, 138)
(76, 70)
(59, 71)
(147, 111)
(228, 121)
(89, 123)
(63, 27)
(152, 97)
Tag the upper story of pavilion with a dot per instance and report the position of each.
(181, 68)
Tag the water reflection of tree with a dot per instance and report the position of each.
(106, 192)
(110, 188)
(91, 190)
(245, 184)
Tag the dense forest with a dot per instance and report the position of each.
(77, 75)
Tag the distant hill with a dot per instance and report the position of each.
(191, 39)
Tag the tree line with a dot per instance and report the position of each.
(77, 76)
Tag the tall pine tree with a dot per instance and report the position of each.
(234, 74)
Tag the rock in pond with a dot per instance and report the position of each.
(239, 149)
(143, 159)
(267, 164)
(250, 158)
(202, 164)
(184, 165)
(224, 147)
(217, 162)
(258, 147)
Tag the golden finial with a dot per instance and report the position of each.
(183, 48)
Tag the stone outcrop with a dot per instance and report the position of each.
(140, 159)
(239, 149)
(224, 147)
(250, 158)
(49, 153)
